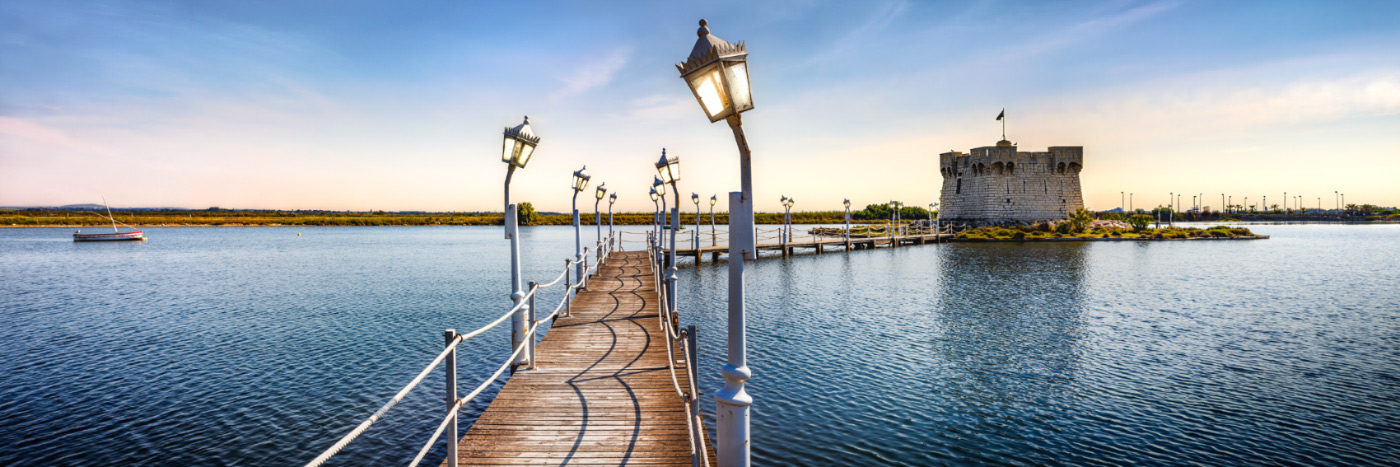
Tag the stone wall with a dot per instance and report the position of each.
(996, 184)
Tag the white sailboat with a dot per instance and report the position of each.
(116, 235)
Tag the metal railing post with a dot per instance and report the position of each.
(530, 349)
(451, 363)
(568, 289)
(694, 342)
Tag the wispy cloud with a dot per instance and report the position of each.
(1086, 30)
(596, 73)
(874, 25)
(36, 133)
(1184, 108)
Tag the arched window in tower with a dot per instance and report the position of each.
(959, 186)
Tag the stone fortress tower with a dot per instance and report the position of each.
(999, 185)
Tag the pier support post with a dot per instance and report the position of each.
(451, 364)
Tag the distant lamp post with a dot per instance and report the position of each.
(599, 193)
(660, 187)
(695, 198)
(670, 169)
(718, 75)
(1130, 204)
(782, 230)
(655, 213)
(580, 182)
(714, 239)
(932, 207)
(789, 219)
(519, 145)
(612, 198)
(847, 202)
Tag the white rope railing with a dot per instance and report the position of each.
(695, 427)
(450, 350)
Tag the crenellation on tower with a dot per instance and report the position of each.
(999, 184)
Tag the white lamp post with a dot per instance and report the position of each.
(782, 229)
(718, 75)
(519, 145)
(790, 202)
(660, 187)
(612, 198)
(580, 182)
(655, 213)
(714, 239)
(694, 198)
(599, 193)
(847, 203)
(931, 206)
(669, 169)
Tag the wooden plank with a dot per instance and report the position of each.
(601, 393)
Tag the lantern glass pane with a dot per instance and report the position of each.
(653, 196)
(673, 171)
(736, 75)
(523, 152)
(711, 92)
(660, 189)
(599, 193)
(508, 150)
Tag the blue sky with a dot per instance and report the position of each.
(399, 106)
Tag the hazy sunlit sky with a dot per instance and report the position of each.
(400, 105)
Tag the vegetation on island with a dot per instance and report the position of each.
(1082, 224)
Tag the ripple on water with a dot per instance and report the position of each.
(256, 347)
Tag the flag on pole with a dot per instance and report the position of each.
(1002, 114)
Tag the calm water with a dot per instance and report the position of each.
(252, 346)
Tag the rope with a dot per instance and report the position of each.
(451, 415)
(382, 410)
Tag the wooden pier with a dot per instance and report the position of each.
(601, 393)
(818, 244)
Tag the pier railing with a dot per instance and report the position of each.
(449, 356)
(686, 338)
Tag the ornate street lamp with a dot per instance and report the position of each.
(580, 182)
(599, 193)
(932, 206)
(695, 198)
(519, 145)
(788, 214)
(655, 213)
(714, 239)
(847, 203)
(782, 230)
(660, 187)
(718, 75)
(612, 198)
(669, 168)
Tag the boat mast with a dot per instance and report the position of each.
(109, 215)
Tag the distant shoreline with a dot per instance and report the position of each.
(227, 218)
